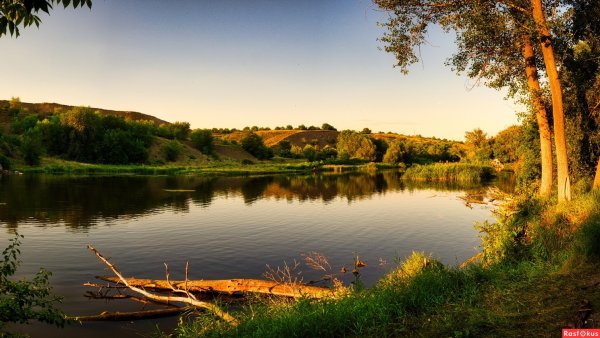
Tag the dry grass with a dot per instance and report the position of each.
(298, 138)
(189, 156)
(235, 153)
(272, 137)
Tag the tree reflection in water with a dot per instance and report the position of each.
(81, 202)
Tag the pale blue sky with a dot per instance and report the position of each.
(227, 63)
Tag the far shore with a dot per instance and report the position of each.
(216, 168)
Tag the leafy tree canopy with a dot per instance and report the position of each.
(15, 14)
(353, 145)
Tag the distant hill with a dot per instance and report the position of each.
(295, 137)
(45, 109)
(300, 138)
(321, 138)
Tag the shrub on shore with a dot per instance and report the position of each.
(459, 172)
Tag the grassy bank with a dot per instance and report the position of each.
(454, 172)
(537, 264)
(223, 168)
(229, 168)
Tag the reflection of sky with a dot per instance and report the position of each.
(243, 63)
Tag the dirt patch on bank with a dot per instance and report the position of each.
(232, 152)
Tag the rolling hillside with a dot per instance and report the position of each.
(295, 137)
(45, 109)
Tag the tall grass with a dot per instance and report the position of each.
(385, 310)
(456, 172)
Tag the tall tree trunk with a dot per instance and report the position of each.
(560, 141)
(541, 115)
(597, 178)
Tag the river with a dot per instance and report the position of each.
(226, 227)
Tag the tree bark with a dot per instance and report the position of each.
(597, 178)
(560, 141)
(230, 286)
(541, 115)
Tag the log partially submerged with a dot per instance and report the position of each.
(189, 299)
(116, 316)
(187, 290)
(230, 286)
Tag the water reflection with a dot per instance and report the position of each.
(80, 202)
(227, 227)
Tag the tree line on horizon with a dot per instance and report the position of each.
(84, 135)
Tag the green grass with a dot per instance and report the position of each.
(380, 311)
(542, 259)
(227, 167)
(454, 172)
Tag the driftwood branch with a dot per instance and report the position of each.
(104, 286)
(229, 286)
(145, 301)
(108, 316)
(185, 290)
(166, 299)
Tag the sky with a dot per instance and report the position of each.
(237, 63)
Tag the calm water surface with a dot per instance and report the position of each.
(225, 228)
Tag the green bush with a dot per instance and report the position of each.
(397, 152)
(254, 144)
(309, 152)
(174, 131)
(353, 145)
(23, 300)
(172, 150)
(283, 149)
(457, 172)
(21, 125)
(31, 148)
(203, 140)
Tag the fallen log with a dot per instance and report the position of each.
(230, 286)
(190, 299)
(116, 316)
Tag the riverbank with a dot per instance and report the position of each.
(538, 272)
(212, 168)
(451, 172)
(443, 172)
